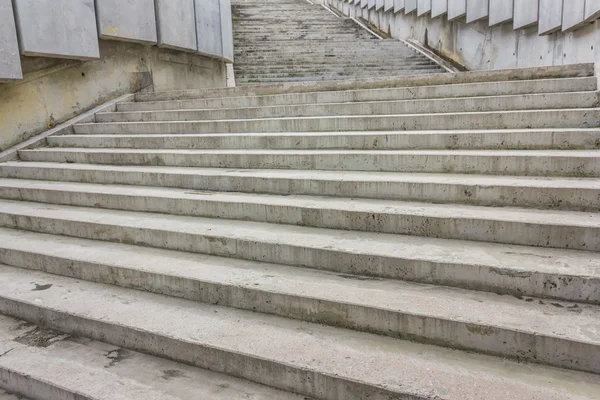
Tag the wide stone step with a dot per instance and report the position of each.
(421, 311)
(542, 228)
(45, 364)
(328, 78)
(553, 193)
(336, 72)
(388, 94)
(531, 139)
(520, 119)
(575, 163)
(498, 268)
(543, 101)
(306, 358)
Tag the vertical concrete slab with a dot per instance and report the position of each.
(573, 15)
(501, 11)
(57, 28)
(379, 5)
(227, 30)
(439, 8)
(423, 7)
(456, 9)
(399, 5)
(127, 20)
(364, 3)
(10, 59)
(477, 10)
(526, 13)
(208, 28)
(176, 24)
(410, 6)
(388, 6)
(592, 10)
(371, 5)
(551, 13)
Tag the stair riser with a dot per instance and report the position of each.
(500, 196)
(476, 277)
(485, 339)
(587, 118)
(450, 91)
(32, 388)
(470, 164)
(473, 104)
(487, 230)
(524, 140)
(318, 78)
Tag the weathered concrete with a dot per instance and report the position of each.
(57, 28)
(10, 62)
(65, 367)
(227, 30)
(592, 10)
(423, 7)
(410, 6)
(176, 23)
(456, 9)
(398, 5)
(477, 10)
(131, 20)
(208, 28)
(526, 14)
(55, 91)
(573, 15)
(439, 8)
(501, 11)
(551, 16)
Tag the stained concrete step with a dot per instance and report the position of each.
(574, 163)
(519, 226)
(420, 310)
(45, 364)
(504, 269)
(320, 78)
(4, 395)
(420, 92)
(519, 119)
(495, 139)
(539, 192)
(569, 71)
(309, 359)
(543, 101)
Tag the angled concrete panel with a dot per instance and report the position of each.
(573, 15)
(439, 8)
(477, 10)
(501, 11)
(371, 4)
(389, 5)
(57, 28)
(208, 28)
(127, 20)
(364, 3)
(592, 10)
(227, 30)
(10, 59)
(399, 5)
(176, 23)
(423, 7)
(551, 12)
(526, 13)
(379, 5)
(410, 6)
(456, 9)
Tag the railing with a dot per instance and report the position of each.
(72, 28)
(490, 34)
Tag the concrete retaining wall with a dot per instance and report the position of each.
(495, 34)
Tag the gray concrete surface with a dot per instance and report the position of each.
(208, 28)
(456, 9)
(227, 30)
(388, 5)
(526, 14)
(501, 11)
(176, 24)
(423, 7)
(439, 8)
(131, 21)
(477, 10)
(10, 61)
(551, 16)
(592, 10)
(399, 5)
(57, 28)
(410, 6)
(65, 367)
(573, 15)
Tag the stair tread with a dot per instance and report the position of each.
(520, 258)
(395, 365)
(102, 371)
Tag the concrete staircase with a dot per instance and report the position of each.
(422, 237)
(295, 40)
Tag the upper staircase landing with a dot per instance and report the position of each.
(294, 40)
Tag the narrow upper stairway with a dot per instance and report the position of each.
(295, 40)
(422, 237)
